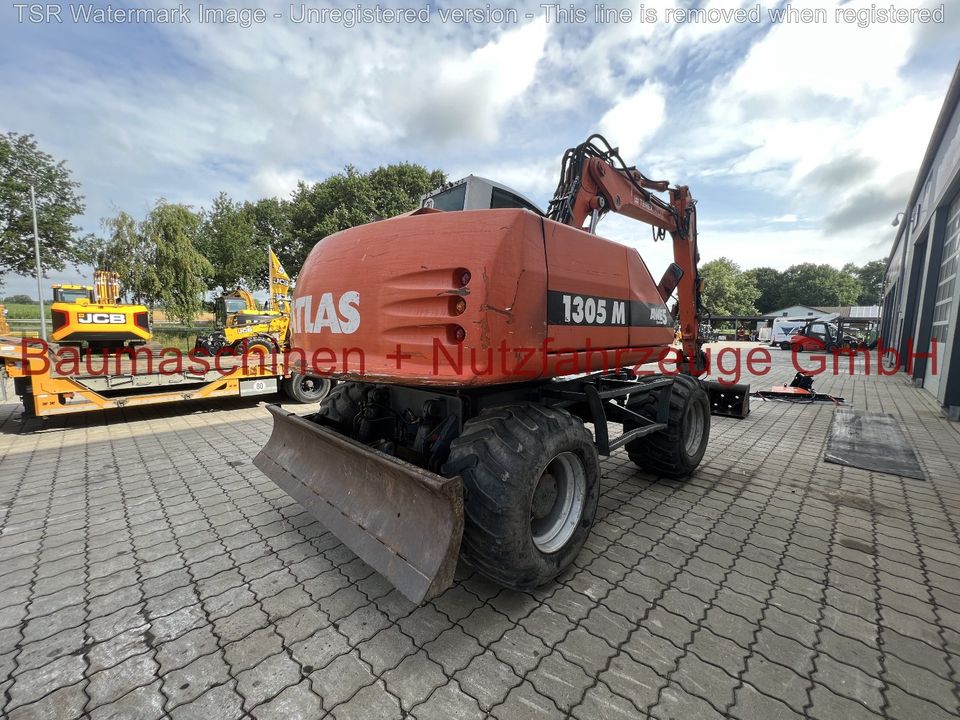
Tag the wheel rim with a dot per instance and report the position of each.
(558, 502)
(314, 388)
(693, 429)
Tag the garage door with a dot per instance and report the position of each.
(946, 293)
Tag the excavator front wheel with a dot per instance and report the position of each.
(341, 407)
(531, 480)
(676, 451)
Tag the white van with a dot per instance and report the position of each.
(783, 328)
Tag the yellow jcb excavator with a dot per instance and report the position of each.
(94, 315)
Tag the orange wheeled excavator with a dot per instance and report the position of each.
(480, 337)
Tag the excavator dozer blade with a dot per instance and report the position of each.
(403, 521)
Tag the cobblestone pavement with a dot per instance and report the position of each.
(148, 569)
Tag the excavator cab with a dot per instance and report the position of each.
(477, 193)
(73, 293)
(227, 306)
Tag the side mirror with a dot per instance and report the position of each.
(668, 283)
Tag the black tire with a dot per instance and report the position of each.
(306, 388)
(676, 451)
(98, 347)
(254, 345)
(340, 408)
(29, 410)
(784, 346)
(519, 465)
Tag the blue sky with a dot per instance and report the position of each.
(800, 141)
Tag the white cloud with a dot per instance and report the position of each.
(634, 119)
(465, 96)
(780, 131)
(250, 111)
(818, 122)
(274, 182)
(777, 247)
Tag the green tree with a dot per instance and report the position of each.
(225, 237)
(352, 198)
(20, 300)
(180, 268)
(727, 290)
(271, 221)
(769, 283)
(819, 286)
(871, 276)
(127, 251)
(398, 188)
(22, 163)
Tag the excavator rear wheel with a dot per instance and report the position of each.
(340, 408)
(676, 451)
(531, 481)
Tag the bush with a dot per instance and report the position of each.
(19, 299)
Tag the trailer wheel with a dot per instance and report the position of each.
(341, 406)
(784, 346)
(307, 388)
(676, 451)
(531, 484)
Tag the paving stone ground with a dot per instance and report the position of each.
(148, 570)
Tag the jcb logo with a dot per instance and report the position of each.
(101, 318)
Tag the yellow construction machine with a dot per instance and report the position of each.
(93, 315)
(242, 326)
(240, 323)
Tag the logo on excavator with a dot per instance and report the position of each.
(101, 318)
(659, 315)
(340, 317)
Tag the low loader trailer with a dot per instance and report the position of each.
(145, 376)
(500, 346)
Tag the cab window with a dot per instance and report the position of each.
(70, 296)
(234, 305)
(500, 198)
(451, 199)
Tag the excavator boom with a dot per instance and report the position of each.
(594, 180)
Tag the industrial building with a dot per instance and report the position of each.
(920, 302)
